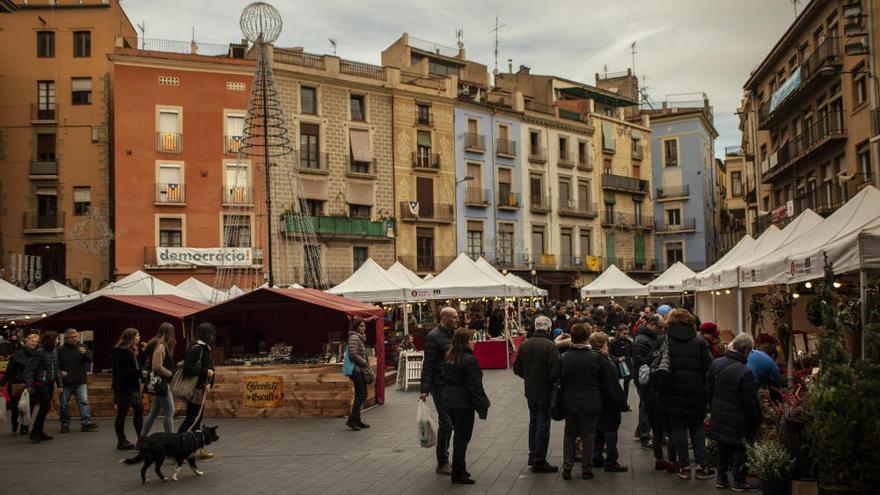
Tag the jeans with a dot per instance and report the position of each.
(80, 393)
(444, 428)
(661, 430)
(681, 430)
(626, 382)
(539, 431)
(607, 441)
(644, 424)
(137, 412)
(360, 396)
(732, 457)
(43, 397)
(463, 424)
(161, 404)
(583, 426)
(193, 419)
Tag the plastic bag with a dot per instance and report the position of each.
(427, 426)
(623, 369)
(24, 409)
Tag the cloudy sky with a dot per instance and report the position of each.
(684, 46)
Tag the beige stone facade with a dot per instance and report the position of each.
(730, 187)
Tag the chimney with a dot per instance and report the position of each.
(510, 66)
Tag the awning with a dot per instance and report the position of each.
(607, 136)
(315, 189)
(360, 145)
(424, 139)
(360, 193)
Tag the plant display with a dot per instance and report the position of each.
(769, 460)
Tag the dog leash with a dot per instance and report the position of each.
(201, 408)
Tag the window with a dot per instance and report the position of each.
(308, 146)
(359, 256)
(308, 100)
(311, 207)
(440, 69)
(736, 188)
(535, 142)
(358, 108)
(234, 131)
(423, 149)
(606, 165)
(582, 152)
(361, 155)
(674, 253)
(586, 246)
(505, 187)
(82, 44)
(609, 211)
(475, 185)
(82, 200)
(863, 161)
(424, 249)
(423, 114)
(673, 216)
(81, 91)
(860, 84)
(237, 231)
(670, 152)
(45, 44)
(46, 99)
(565, 246)
(359, 211)
(505, 244)
(45, 147)
(47, 208)
(563, 148)
(170, 232)
(565, 193)
(537, 240)
(170, 186)
(169, 130)
(474, 239)
(584, 196)
(236, 186)
(536, 189)
(637, 212)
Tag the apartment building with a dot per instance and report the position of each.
(683, 164)
(730, 187)
(183, 194)
(424, 87)
(488, 163)
(55, 156)
(808, 113)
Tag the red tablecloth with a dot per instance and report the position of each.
(491, 354)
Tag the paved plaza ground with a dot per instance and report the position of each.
(322, 456)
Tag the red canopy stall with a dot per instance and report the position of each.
(279, 353)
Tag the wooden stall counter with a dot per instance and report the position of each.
(279, 391)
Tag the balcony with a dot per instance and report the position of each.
(579, 263)
(627, 221)
(667, 193)
(43, 170)
(35, 222)
(812, 139)
(541, 261)
(44, 113)
(505, 147)
(426, 161)
(232, 143)
(337, 227)
(638, 152)
(537, 154)
(688, 225)
(238, 196)
(826, 55)
(169, 142)
(565, 160)
(539, 204)
(633, 265)
(426, 264)
(170, 194)
(427, 212)
(475, 143)
(625, 184)
(313, 163)
(475, 196)
(569, 207)
(733, 150)
(508, 201)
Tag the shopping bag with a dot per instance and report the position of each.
(556, 411)
(347, 364)
(623, 369)
(24, 409)
(427, 426)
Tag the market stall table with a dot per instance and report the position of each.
(494, 354)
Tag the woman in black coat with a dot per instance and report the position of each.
(13, 379)
(462, 396)
(198, 363)
(126, 385)
(41, 376)
(613, 404)
(621, 349)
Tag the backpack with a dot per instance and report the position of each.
(661, 366)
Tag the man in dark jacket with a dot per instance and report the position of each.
(433, 366)
(73, 359)
(643, 346)
(683, 396)
(736, 411)
(537, 363)
(613, 403)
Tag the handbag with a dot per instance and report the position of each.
(155, 385)
(661, 367)
(347, 363)
(184, 387)
(623, 369)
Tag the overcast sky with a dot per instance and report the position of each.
(683, 46)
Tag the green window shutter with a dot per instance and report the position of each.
(607, 136)
(609, 249)
(639, 241)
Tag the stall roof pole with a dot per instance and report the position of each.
(405, 320)
(739, 311)
(863, 295)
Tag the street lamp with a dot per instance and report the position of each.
(464, 179)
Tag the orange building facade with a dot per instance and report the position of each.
(183, 194)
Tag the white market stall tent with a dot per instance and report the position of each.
(514, 289)
(400, 272)
(16, 302)
(200, 289)
(427, 277)
(370, 283)
(672, 280)
(462, 279)
(613, 282)
(534, 290)
(702, 280)
(56, 290)
(139, 283)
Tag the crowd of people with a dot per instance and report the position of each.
(577, 365)
(39, 363)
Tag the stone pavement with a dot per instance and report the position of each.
(322, 456)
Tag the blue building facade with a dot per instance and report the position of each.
(488, 174)
(685, 203)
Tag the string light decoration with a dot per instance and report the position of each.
(93, 234)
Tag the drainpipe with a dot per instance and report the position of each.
(875, 97)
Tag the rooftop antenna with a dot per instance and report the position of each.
(497, 28)
(143, 27)
(333, 45)
(633, 50)
(605, 70)
(643, 92)
(459, 38)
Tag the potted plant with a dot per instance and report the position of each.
(769, 460)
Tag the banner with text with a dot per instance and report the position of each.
(219, 256)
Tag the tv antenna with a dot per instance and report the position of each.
(143, 27)
(497, 28)
(459, 38)
(333, 45)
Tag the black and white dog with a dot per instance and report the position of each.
(178, 446)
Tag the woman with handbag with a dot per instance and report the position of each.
(362, 374)
(199, 365)
(621, 349)
(160, 366)
(126, 385)
(13, 379)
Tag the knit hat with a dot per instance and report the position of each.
(709, 328)
(663, 310)
(543, 324)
